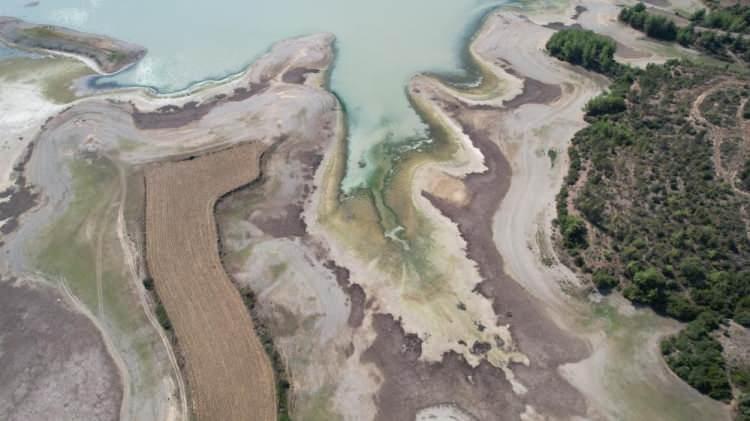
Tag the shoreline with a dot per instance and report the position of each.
(494, 190)
(103, 54)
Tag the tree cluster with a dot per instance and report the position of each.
(694, 355)
(655, 26)
(722, 45)
(584, 48)
(653, 219)
(735, 18)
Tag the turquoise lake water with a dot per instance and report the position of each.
(380, 45)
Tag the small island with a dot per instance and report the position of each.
(107, 54)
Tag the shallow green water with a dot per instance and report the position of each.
(380, 45)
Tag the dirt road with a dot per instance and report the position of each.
(228, 371)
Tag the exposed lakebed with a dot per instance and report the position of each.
(380, 46)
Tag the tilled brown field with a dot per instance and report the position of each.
(228, 371)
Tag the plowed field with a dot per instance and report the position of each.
(228, 372)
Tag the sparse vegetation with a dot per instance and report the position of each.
(735, 18)
(552, 155)
(161, 316)
(745, 176)
(725, 44)
(282, 380)
(42, 32)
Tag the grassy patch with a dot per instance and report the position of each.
(67, 250)
(277, 270)
(54, 76)
(279, 367)
(42, 32)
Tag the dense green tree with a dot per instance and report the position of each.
(697, 357)
(606, 103)
(660, 27)
(743, 408)
(733, 20)
(584, 48)
(574, 232)
(604, 280)
(648, 287)
(162, 317)
(742, 311)
(654, 26)
(745, 177)
(685, 36)
(692, 269)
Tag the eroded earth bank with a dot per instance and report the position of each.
(431, 292)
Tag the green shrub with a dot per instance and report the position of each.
(584, 48)
(647, 287)
(743, 408)
(695, 356)
(603, 280)
(685, 36)
(162, 317)
(660, 27)
(574, 232)
(692, 269)
(655, 26)
(745, 176)
(742, 312)
(606, 103)
(681, 308)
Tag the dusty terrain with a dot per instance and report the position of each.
(433, 293)
(85, 223)
(48, 349)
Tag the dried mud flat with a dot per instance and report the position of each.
(354, 347)
(53, 362)
(227, 368)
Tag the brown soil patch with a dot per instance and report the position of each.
(628, 53)
(287, 222)
(534, 92)
(546, 345)
(20, 196)
(53, 362)
(228, 370)
(411, 384)
(172, 116)
(297, 75)
(355, 292)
